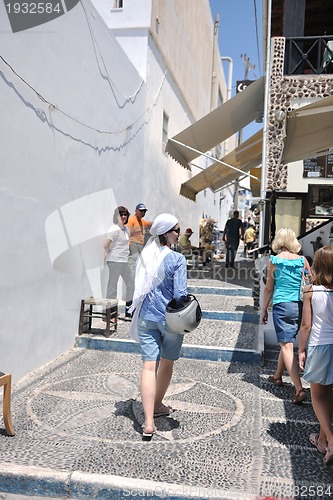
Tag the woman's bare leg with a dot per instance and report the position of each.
(321, 396)
(163, 380)
(287, 353)
(280, 367)
(148, 392)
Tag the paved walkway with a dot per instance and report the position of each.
(232, 434)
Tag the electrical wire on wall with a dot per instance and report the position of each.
(128, 132)
(144, 117)
(98, 54)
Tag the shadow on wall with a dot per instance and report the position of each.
(75, 234)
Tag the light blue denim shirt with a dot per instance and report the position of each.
(288, 277)
(173, 271)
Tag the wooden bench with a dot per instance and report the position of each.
(108, 312)
(6, 382)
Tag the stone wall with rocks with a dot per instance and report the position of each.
(282, 90)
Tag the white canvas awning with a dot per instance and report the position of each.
(218, 125)
(217, 175)
(309, 131)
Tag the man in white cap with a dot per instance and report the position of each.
(139, 231)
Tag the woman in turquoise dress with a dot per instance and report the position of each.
(284, 278)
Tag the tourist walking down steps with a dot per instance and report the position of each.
(284, 277)
(317, 359)
(161, 275)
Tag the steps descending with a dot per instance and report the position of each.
(229, 330)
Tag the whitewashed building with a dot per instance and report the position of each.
(88, 101)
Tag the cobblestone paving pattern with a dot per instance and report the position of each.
(230, 334)
(225, 303)
(230, 428)
(211, 332)
(291, 466)
(242, 276)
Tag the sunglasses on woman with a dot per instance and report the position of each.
(175, 230)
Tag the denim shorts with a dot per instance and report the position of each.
(287, 318)
(319, 365)
(156, 341)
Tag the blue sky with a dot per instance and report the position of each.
(238, 36)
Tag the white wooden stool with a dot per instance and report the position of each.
(6, 381)
(109, 314)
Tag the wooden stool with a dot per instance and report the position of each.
(109, 314)
(6, 381)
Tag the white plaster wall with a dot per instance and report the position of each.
(180, 53)
(133, 14)
(189, 57)
(130, 26)
(63, 171)
(162, 171)
(183, 33)
(93, 140)
(135, 44)
(162, 175)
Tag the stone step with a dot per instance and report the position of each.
(230, 334)
(190, 350)
(225, 303)
(242, 317)
(229, 329)
(215, 339)
(211, 332)
(215, 290)
(222, 278)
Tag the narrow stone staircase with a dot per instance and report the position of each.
(229, 330)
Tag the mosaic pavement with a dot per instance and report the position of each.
(230, 428)
(232, 434)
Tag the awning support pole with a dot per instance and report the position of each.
(215, 159)
(230, 183)
(262, 202)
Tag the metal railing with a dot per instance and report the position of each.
(309, 55)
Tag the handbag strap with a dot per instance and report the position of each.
(307, 268)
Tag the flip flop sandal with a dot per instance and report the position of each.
(275, 380)
(299, 397)
(163, 411)
(328, 458)
(147, 436)
(314, 439)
